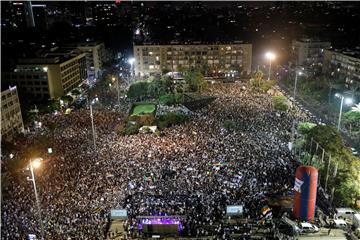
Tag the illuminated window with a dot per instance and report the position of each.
(151, 66)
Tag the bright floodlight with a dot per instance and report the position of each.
(113, 79)
(270, 55)
(348, 101)
(36, 163)
(300, 73)
(131, 61)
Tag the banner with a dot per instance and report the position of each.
(298, 184)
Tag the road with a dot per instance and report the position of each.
(315, 111)
(323, 234)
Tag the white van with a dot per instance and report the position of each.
(356, 220)
(346, 213)
(340, 223)
(308, 228)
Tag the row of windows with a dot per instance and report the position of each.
(9, 104)
(70, 77)
(226, 48)
(66, 66)
(27, 76)
(71, 84)
(11, 115)
(70, 70)
(8, 95)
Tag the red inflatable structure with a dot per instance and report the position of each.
(305, 188)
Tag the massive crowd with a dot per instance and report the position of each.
(193, 170)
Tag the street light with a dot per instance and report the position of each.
(297, 73)
(92, 121)
(348, 101)
(36, 164)
(117, 89)
(131, 62)
(270, 56)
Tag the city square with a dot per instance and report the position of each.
(176, 139)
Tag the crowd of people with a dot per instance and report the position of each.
(193, 170)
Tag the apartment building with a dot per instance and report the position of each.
(48, 77)
(212, 58)
(11, 118)
(95, 52)
(307, 52)
(344, 63)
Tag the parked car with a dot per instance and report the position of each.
(340, 223)
(308, 228)
(346, 213)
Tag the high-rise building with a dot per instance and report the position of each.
(11, 118)
(17, 14)
(213, 58)
(48, 77)
(307, 52)
(105, 14)
(40, 16)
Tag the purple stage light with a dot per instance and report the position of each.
(160, 221)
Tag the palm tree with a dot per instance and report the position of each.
(354, 87)
(356, 108)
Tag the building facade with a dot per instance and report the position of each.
(308, 52)
(343, 63)
(11, 118)
(210, 58)
(48, 77)
(95, 52)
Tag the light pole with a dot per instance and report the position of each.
(131, 62)
(293, 123)
(92, 122)
(348, 101)
(35, 164)
(297, 73)
(117, 89)
(270, 56)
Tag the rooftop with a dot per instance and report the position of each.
(355, 52)
(192, 43)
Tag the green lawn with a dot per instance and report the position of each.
(143, 109)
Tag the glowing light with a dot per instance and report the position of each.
(131, 61)
(270, 55)
(36, 163)
(348, 101)
(45, 69)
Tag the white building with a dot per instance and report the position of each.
(214, 58)
(307, 52)
(11, 118)
(95, 53)
(343, 62)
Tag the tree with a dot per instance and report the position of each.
(280, 103)
(328, 137)
(138, 90)
(344, 174)
(305, 127)
(67, 99)
(196, 81)
(352, 117)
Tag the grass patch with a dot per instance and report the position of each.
(142, 109)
